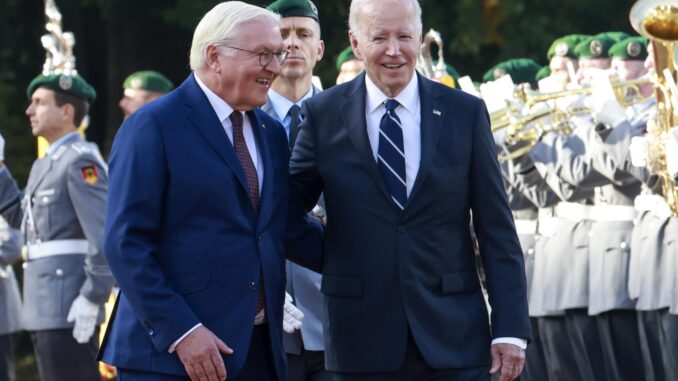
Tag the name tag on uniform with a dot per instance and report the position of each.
(45, 192)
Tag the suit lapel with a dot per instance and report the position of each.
(353, 118)
(266, 192)
(432, 114)
(208, 124)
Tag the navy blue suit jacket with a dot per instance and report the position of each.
(183, 239)
(387, 271)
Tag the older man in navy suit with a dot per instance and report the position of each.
(197, 212)
(403, 162)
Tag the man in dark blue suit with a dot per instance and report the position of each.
(196, 214)
(403, 162)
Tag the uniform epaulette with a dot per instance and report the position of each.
(58, 152)
(81, 147)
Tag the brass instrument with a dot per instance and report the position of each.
(437, 71)
(658, 21)
(628, 93)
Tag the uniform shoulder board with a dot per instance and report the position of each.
(81, 147)
(58, 152)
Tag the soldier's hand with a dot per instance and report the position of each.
(508, 358)
(83, 314)
(200, 354)
(638, 151)
(292, 316)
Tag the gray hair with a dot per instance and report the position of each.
(358, 5)
(219, 27)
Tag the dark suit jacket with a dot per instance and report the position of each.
(182, 237)
(385, 271)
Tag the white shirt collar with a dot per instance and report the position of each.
(220, 106)
(282, 105)
(407, 98)
(53, 147)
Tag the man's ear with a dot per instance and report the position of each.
(354, 44)
(321, 50)
(212, 57)
(68, 113)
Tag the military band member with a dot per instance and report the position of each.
(563, 61)
(10, 301)
(348, 65)
(142, 87)
(300, 30)
(61, 215)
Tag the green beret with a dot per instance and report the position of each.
(291, 8)
(564, 46)
(595, 47)
(632, 48)
(521, 70)
(542, 73)
(148, 80)
(73, 85)
(616, 36)
(345, 55)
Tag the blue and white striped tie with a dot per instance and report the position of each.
(391, 154)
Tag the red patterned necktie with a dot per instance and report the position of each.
(245, 159)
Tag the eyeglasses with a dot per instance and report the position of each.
(265, 56)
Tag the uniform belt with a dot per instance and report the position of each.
(573, 212)
(613, 213)
(652, 203)
(58, 247)
(547, 222)
(526, 226)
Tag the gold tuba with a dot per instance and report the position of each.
(658, 21)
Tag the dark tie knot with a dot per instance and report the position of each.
(294, 112)
(236, 119)
(391, 104)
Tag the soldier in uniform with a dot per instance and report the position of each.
(348, 65)
(142, 87)
(300, 30)
(61, 215)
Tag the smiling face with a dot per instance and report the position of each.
(301, 36)
(388, 42)
(236, 75)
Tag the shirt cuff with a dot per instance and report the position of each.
(173, 347)
(520, 343)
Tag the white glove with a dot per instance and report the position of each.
(638, 151)
(292, 316)
(2, 148)
(84, 313)
(604, 104)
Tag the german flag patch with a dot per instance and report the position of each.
(90, 174)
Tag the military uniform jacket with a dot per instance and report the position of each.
(65, 199)
(10, 302)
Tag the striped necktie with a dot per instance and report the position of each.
(245, 159)
(391, 154)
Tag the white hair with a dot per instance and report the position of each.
(358, 6)
(219, 27)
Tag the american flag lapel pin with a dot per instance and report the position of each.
(437, 112)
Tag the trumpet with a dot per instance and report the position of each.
(628, 93)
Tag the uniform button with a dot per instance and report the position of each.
(59, 272)
(45, 199)
(401, 229)
(530, 251)
(623, 245)
(252, 286)
(24, 265)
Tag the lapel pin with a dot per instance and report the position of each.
(437, 112)
(263, 125)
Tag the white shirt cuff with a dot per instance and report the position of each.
(173, 347)
(520, 343)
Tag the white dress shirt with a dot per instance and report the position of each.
(224, 111)
(282, 106)
(409, 112)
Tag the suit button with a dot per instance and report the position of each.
(59, 272)
(401, 229)
(259, 238)
(252, 286)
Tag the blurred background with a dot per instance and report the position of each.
(117, 37)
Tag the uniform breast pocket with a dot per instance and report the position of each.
(43, 201)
